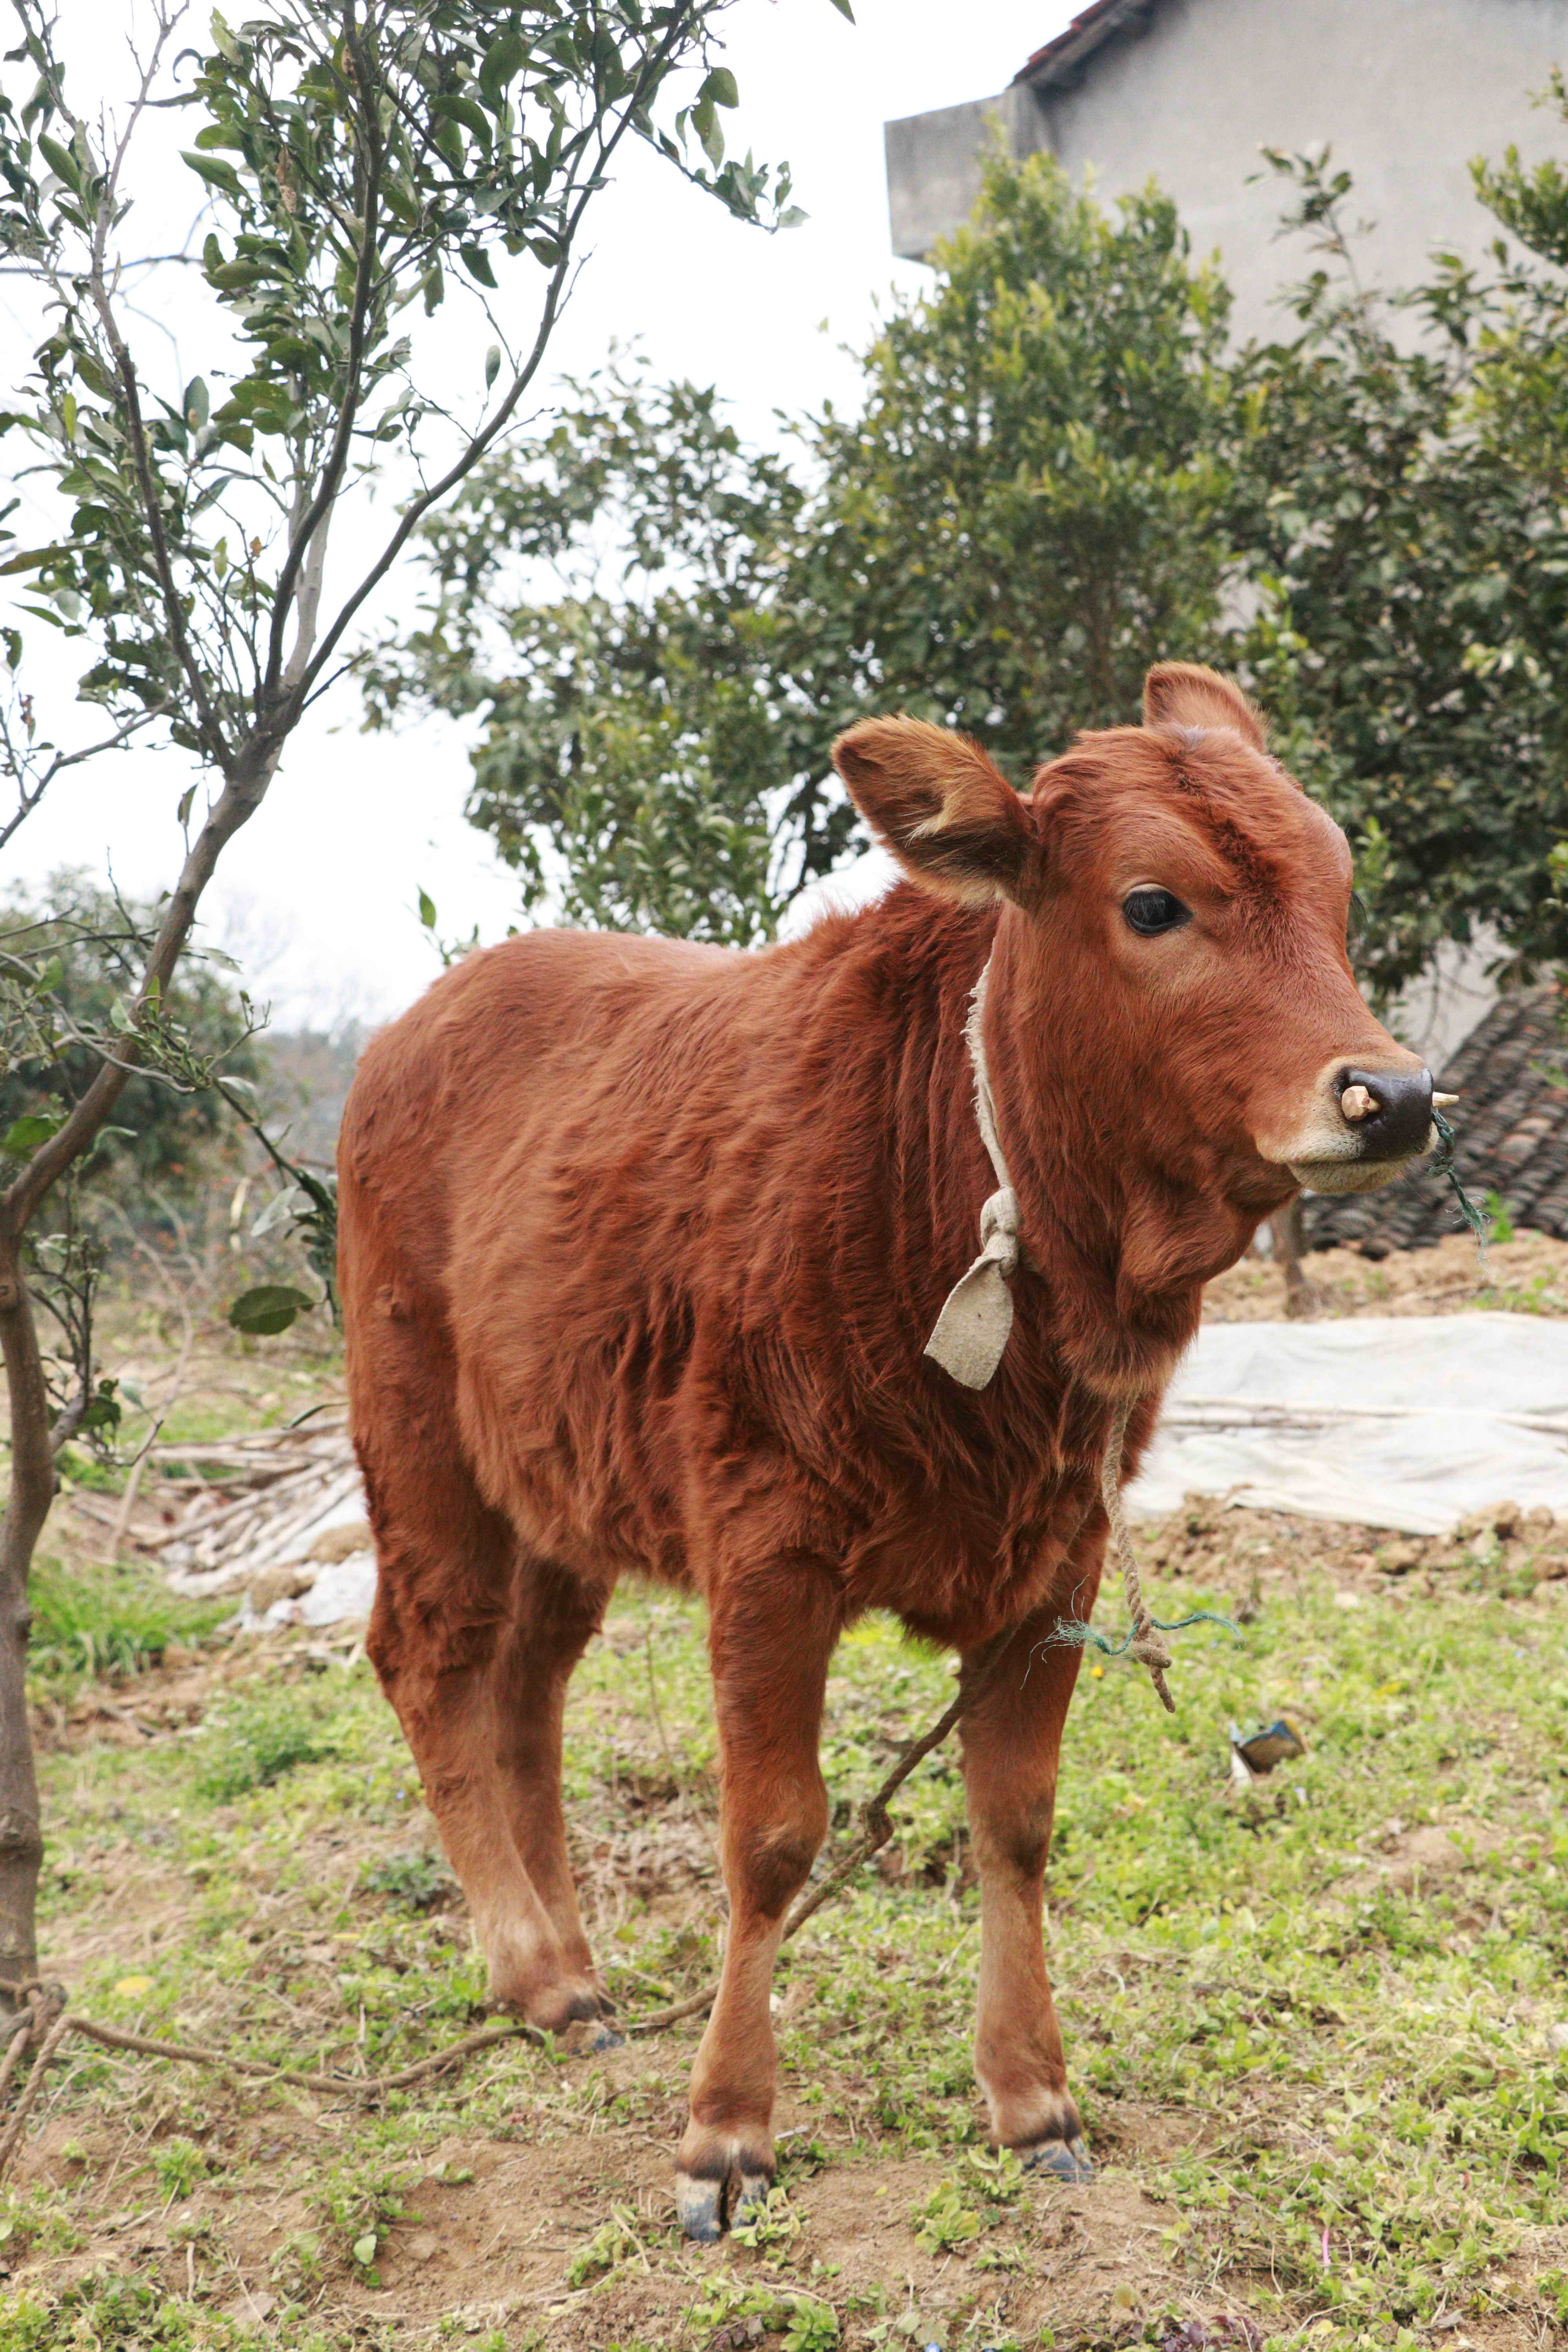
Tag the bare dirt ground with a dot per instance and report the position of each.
(1525, 1275)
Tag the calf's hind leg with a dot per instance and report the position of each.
(474, 1646)
(770, 1639)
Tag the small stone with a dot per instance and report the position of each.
(1504, 1520)
(1348, 1599)
(423, 2244)
(279, 1584)
(1551, 1567)
(251, 2309)
(1557, 2037)
(342, 1543)
(1399, 1559)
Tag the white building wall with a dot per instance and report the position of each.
(1404, 92)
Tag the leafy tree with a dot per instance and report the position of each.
(1028, 510)
(1058, 475)
(163, 1135)
(637, 735)
(359, 160)
(1401, 499)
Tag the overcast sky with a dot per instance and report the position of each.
(318, 893)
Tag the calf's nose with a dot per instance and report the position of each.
(1390, 1110)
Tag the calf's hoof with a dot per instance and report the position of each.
(701, 2205)
(554, 2006)
(708, 2208)
(1068, 2159)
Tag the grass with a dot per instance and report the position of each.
(1312, 2036)
(108, 1622)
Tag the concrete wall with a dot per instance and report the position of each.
(1404, 92)
(933, 162)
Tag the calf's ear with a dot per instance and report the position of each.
(1184, 694)
(949, 816)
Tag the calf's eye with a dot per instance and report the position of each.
(1149, 911)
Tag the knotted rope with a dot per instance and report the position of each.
(1145, 1642)
(977, 1315)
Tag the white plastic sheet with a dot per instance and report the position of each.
(1406, 1421)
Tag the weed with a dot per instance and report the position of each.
(944, 2222)
(258, 1740)
(114, 1622)
(768, 2222)
(179, 2164)
(610, 2245)
(415, 1878)
(806, 2323)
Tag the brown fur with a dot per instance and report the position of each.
(641, 1246)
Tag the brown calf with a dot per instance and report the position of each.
(642, 1244)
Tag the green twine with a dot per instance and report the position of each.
(1444, 1166)
(1072, 1633)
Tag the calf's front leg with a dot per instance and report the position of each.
(1011, 1737)
(770, 1639)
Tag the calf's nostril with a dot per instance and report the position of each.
(1390, 1109)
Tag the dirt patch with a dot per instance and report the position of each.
(1527, 1274)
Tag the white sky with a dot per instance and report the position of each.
(317, 895)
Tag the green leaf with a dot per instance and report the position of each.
(477, 262)
(844, 9)
(426, 911)
(195, 404)
(719, 88)
(213, 170)
(183, 812)
(503, 60)
(263, 1313)
(119, 1016)
(705, 122)
(23, 1135)
(464, 110)
(493, 364)
(234, 276)
(365, 2248)
(49, 979)
(61, 161)
(33, 557)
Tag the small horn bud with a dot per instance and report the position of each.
(1355, 1102)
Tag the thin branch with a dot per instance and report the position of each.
(57, 766)
(332, 473)
(486, 438)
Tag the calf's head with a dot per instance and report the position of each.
(1171, 954)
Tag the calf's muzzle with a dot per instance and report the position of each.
(1390, 1111)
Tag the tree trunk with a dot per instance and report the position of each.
(33, 1435)
(27, 1508)
(1301, 1298)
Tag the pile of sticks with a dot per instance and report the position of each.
(243, 1504)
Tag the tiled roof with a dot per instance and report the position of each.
(1511, 1123)
(1060, 59)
